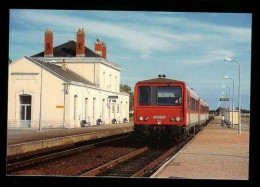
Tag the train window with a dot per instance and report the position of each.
(188, 99)
(144, 95)
(197, 105)
(161, 95)
(169, 95)
(193, 104)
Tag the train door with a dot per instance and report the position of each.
(25, 110)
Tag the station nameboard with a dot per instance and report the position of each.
(59, 106)
(113, 97)
(224, 99)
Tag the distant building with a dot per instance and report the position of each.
(64, 85)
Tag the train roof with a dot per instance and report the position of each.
(160, 80)
(193, 92)
(196, 95)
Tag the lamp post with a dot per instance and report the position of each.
(239, 94)
(226, 77)
(228, 98)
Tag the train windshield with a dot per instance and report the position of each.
(159, 95)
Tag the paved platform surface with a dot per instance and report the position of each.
(216, 153)
(23, 135)
(23, 140)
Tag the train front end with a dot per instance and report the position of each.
(159, 109)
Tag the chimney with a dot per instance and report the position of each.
(80, 46)
(48, 43)
(64, 65)
(104, 50)
(100, 48)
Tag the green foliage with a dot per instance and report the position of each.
(128, 90)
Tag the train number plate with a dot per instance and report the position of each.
(159, 117)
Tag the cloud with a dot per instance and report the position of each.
(207, 57)
(130, 37)
(147, 34)
(236, 33)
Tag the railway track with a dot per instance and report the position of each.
(19, 162)
(136, 164)
(119, 156)
(140, 163)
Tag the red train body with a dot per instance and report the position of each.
(166, 107)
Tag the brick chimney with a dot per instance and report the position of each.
(104, 50)
(100, 48)
(80, 47)
(48, 43)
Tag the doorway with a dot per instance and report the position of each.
(25, 110)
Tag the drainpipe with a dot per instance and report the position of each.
(65, 92)
(94, 73)
(40, 115)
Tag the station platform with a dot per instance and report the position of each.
(22, 140)
(215, 153)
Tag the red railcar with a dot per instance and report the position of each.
(166, 108)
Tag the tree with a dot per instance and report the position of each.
(128, 90)
(221, 110)
(125, 88)
(9, 60)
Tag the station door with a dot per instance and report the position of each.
(25, 110)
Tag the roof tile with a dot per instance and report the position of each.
(68, 49)
(68, 74)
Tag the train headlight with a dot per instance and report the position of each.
(146, 118)
(178, 118)
(172, 119)
(141, 118)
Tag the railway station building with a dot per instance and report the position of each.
(65, 86)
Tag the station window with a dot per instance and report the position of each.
(113, 108)
(75, 107)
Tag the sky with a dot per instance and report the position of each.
(184, 46)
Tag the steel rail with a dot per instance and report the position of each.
(104, 167)
(154, 163)
(151, 165)
(25, 163)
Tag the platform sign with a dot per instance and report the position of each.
(224, 99)
(113, 97)
(59, 106)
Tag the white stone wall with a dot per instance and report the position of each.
(96, 70)
(20, 84)
(93, 104)
(54, 110)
